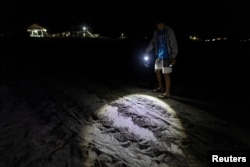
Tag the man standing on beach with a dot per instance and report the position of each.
(165, 46)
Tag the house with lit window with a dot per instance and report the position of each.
(36, 30)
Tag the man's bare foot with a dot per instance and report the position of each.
(157, 90)
(165, 95)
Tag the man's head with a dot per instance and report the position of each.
(160, 23)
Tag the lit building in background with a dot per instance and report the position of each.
(196, 38)
(78, 32)
(122, 36)
(36, 30)
(85, 33)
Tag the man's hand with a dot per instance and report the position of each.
(173, 61)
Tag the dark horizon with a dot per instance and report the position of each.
(205, 18)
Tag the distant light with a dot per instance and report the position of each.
(84, 28)
(122, 36)
(146, 58)
(193, 38)
(213, 40)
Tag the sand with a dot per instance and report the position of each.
(94, 124)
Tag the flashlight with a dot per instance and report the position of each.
(146, 61)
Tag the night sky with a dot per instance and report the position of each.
(133, 19)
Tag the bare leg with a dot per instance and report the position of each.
(168, 84)
(159, 78)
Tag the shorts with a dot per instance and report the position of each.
(163, 64)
